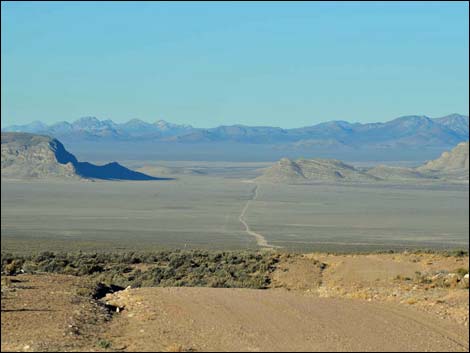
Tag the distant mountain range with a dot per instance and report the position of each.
(91, 128)
(408, 138)
(408, 130)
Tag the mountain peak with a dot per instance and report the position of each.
(455, 122)
(88, 119)
(135, 122)
(416, 118)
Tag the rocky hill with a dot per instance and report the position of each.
(457, 159)
(34, 156)
(26, 155)
(453, 164)
(310, 170)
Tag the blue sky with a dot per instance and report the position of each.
(206, 64)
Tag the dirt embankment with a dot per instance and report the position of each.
(50, 313)
(428, 282)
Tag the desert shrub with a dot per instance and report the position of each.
(11, 265)
(30, 267)
(44, 256)
(461, 271)
(422, 278)
(14, 267)
(228, 269)
(456, 253)
(105, 344)
(89, 269)
(53, 265)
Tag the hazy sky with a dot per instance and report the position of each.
(206, 64)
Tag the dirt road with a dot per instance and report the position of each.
(210, 319)
(260, 239)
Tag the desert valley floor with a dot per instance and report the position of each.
(211, 205)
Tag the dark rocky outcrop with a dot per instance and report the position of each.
(26, 155)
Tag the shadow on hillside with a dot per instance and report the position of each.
(111, 171)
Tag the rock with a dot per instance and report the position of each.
(35, 156)
(451, 279)
(464, 281)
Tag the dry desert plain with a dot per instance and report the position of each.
(328, 289)
(202, 208)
